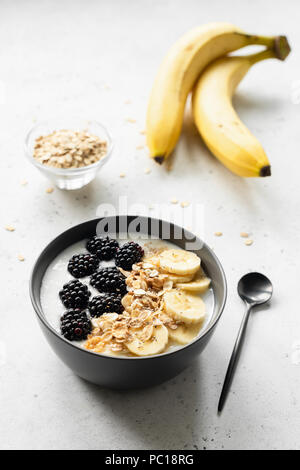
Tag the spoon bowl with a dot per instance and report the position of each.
(255, 289)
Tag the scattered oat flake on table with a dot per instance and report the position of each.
(147, 171)
(248, 242)
(244, 234)
(21, 258)
(218, 234)
(131, 120)
(140, 147)
(9, 228)
(143, 132)
(23, 182)
(49, 190)
(174, 201)
(184, 204)
(122, 175)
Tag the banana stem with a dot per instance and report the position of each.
(279, 44)
(262, 55)
(281, 47)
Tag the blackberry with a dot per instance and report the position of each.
(75, 325)
(105, 248)
(109, 280)
(105, 303)
(129, 254)
(74, 294)
(83, 265)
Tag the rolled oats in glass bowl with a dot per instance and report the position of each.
(68, 151)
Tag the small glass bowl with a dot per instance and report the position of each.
(68, 178)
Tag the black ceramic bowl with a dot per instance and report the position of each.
(123, 372)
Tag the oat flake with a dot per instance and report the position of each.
(9, 228)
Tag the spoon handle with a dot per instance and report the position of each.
(234, 358)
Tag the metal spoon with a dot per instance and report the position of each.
(255, 289)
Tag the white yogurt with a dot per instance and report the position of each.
(57, 275)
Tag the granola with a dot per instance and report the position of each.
(143, 311)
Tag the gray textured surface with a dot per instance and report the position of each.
(60, 58)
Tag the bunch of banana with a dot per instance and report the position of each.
(177, 76)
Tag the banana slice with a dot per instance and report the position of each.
(199, 285)
(184, 307)
(153, 260)
(179, 262)
(155, 345)
(175, 278)
(184, 334)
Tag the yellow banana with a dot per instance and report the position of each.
(217, 121)
(179, 72)
(184, 307)
(179, 262)
(184, 334)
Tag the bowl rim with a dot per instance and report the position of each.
(42, 317)
(68, 171)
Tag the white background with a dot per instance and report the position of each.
(88, 58)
